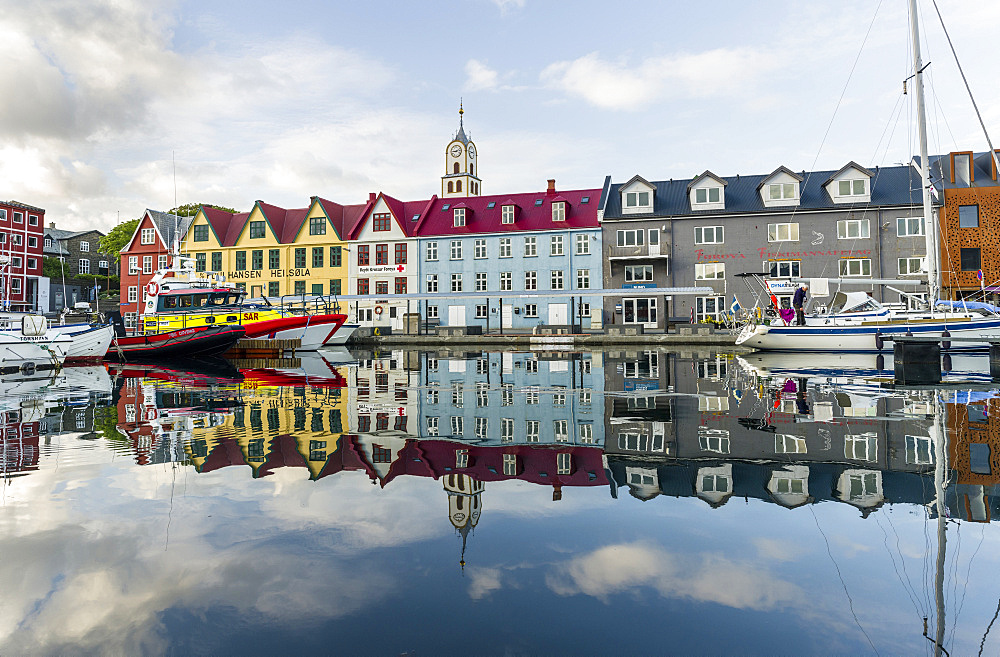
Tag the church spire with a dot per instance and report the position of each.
(460, 177)
(460, 135)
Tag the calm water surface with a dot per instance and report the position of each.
(457, 503)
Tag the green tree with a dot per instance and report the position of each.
(117, 239)
(191, 209)
(54, 268)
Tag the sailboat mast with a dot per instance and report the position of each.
(930, 226)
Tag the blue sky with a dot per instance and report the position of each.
(282, 101)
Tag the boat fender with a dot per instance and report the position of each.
(153, 288)
(946, 344)
(946, 363)
(879, 342)
(880, 362)
(33, 325)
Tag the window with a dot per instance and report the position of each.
(48, 242)
(961, 169)
(16, 261)
(400, 254)
(335, 257)
(531, 310)
(480, 311)
(506, 281)
(456, 250)
(18, 217)
(133, 293)
(510, 465)
(583, 244)
(363, 286)
(133, 264)
(783, 232)
(33, 242)
(200, 234)
(778, 191)
(713, 440)
(631, 237)
(432, 283)
(480, 281)
(708, 235)
(432, 251)
(147, 264)
(585, 312)
(636, 199)
(507, 430)
(334, 286)
(216, 261)
(161, 261)
(784, 268)
(480, 249)
(586, 432)
(583, 279)
(919, 450)
(273, 259)
(300, 288)
(85, 265)
(457, 425)
(505, 248)
(530, 247)
(849, 229)
(300, 258)
(200, 261)
(317, 289)
(851, 187)
(862, 447)
(531, 431)
(364, 257)
(912, 266)
(400, 285)
(381, 221)
(530, 280)
(482, 428)
(459, 217)
(638, 273)
(909, 226)
(273, 288)
(241, 260)
(709, 270)
(968, 216)
(709, 308)
(32, 219)
(84, 246)
(559, 211)
(971, 260)
(381, 287)
(855, 267)
(317, 225)
(456, 282)
(507, 214)
(556, 245)
(432, 312)
(560, 430)
(639, 311)
(256, 229)
(708, 195)
(786, 444)
(381, 254)
(257, 259)
(147, 235)
(101, 265)
(557, 279)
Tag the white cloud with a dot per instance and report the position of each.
(479, 77)
(506, 6)
(618, 85)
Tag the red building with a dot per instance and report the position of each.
(154, 239)
(21, 241)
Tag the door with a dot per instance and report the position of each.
(456, 316)
(654, 241)
(558, 313)
(507, 316)
(256, 291)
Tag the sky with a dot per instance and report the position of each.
(115, 106)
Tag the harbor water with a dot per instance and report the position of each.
(502, 503)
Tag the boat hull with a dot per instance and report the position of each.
(828, 338)
(190, 342)
(90, 342)
(313, 331)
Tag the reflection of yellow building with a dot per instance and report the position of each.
(276, 426)
(271, 251)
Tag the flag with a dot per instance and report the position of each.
(735, 307)
(774, 299)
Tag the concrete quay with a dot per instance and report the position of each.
(681, 338)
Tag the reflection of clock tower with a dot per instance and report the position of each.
(459, 177)
(464, 505)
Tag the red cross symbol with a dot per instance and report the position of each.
(400, 268)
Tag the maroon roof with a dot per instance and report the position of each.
(529, 214)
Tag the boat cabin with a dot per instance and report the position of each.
(192, 299)
(853, 302)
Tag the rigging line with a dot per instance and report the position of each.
(850, 601)
(892, 557)
(968, 572)
(899, 549)
(988, 628)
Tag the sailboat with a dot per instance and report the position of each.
(856, 322)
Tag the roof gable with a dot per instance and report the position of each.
(637, 181)
(774, 174)
(844, 169)
(695, 182)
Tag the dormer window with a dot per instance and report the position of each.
(459, 217)
(559, 211)
(856, 187)
(507, 214)
(707, 195)
(637, 200)
(780, 191)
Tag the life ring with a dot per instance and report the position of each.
(152, 288)
(378, 310)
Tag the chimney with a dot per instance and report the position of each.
(371, 197)
(552, 186)
(52, 224)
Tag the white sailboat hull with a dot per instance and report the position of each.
(89, 342)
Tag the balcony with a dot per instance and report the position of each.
(644, 252)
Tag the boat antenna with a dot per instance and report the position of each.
(993, 153)
(930, 226)
(175, 246)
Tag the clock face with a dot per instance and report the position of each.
(472, 150)
(456, 150)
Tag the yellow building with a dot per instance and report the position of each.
(271, 251)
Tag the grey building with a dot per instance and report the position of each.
(854, 223)
(80, 251)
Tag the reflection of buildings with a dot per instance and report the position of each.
(973, 427)
(639, 417)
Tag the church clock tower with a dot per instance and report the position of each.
(460, 164)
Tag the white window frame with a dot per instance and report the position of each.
(583, 280)
(147, 236)
(781, 191)
(456, 282)
(559, 211)
(530, 247)
(709, 271)
(853, 229)
(702, 311)
(479, 249)
(635, 200)
(532, 431)
(789, 444)
(861, 447)
(858, 264)
(506, 281)
(916, 446)
(506, 214)
(84, 247)
(631, 237)
(133, 265)
(147, 264)
(459, 217)
(456, 249)
(583, 244)
(133, 293)
(909, 227)
(481, 281)
(531, 310)
(784, 232)
(709, 235)
(556, 245)
(161, 261)
(84, 266)
(432, 251)
(714, 440)
(506, 248)
(705, 195)
(853, 187)
(530, 280)
(632, 270)
(432, 283)
(432, 312)
(912, 266)
(557, 279)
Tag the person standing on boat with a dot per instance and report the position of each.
(798, 301)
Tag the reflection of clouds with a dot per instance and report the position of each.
(483, 581)
(773, 549)
(706, 578)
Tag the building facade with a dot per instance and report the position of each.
(852, 224)
(80, 250)
(156, 237)
(21, 284)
